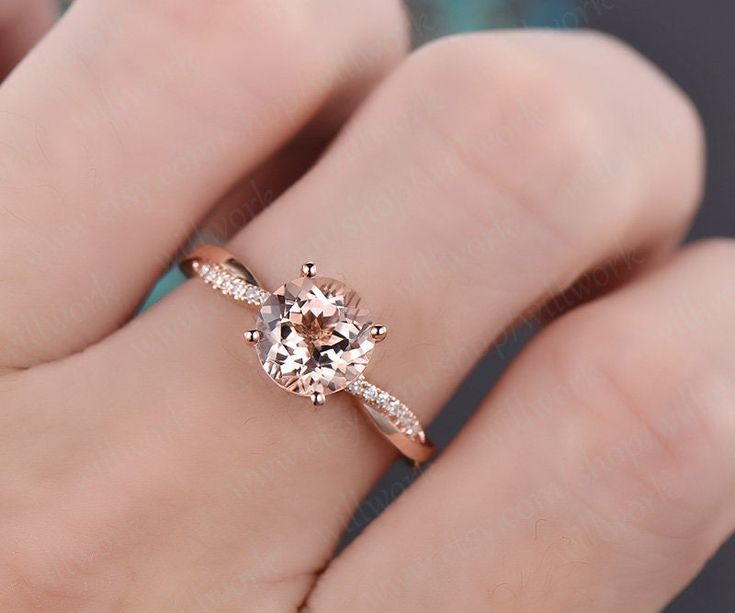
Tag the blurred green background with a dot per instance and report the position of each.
(433, 18)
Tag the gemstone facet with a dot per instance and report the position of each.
(314, 336)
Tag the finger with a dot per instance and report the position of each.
(272, 178)
(113, 152)
(455, 252)
(450, 209)
(22, 23)
(598, 475)
(267, 182)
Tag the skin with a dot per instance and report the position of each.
(148, 465)
(22, 23)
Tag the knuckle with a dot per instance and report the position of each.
(508, 112)
(375, 37)
(188, 44)
(673, 131)
(520, 105)
(38, 578)
(389, 21)
(299, 21)
(683, 114)
(246, 40)
(275, 54)
(224, 15)
(488, 78)
(375, 42)
(657, 401)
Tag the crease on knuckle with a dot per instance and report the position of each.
(506, 113)
(39, 579)
(648, 452)
(674, 129)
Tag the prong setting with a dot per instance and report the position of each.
(308, 269)
(318, 399)
(378, 332)
(252, 336)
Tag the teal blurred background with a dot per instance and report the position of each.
(450, 16)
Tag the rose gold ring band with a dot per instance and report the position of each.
(394, 420)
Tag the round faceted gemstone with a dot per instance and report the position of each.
(315, 337)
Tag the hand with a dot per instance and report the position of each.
(149, 466)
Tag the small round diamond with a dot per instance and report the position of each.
(238, 290)
(210, 275)
(370, 392)
(383, 399)
(315, 336)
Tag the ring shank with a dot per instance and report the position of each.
(393, 419)
(213, 254)
(414, 450)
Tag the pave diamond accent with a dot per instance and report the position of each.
(230, 284)
(399, 414)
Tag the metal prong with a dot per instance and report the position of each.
(318, 399)
(378, 332)
(308, 269)
(252, 336)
